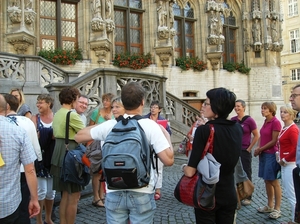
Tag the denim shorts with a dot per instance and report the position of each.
(268, 166)
(122, 206)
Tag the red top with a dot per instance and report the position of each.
(288, 139)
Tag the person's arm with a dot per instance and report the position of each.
(271, 143)
(28, 114)
(33, 207)
(167, 155)
(254, 139)
(84, 135)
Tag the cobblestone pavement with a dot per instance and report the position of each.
(170, 211)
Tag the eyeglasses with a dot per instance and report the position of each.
(154, 107)
(206, 104)
(294, 95)
(86, 104)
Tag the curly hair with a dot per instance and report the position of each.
(68, 95)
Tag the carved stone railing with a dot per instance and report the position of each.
(36, 75)
(31, 73)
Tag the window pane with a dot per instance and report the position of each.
(121, 35)
(120, 49)
(48, 44)
(120, 18)
(68, 11)
(135, 36)
(188, 11)
(293, 46)
(48, 27)
(68, 29)
(177, 38)
(135, 4)
(188, 28)
(292, 35)
(120, 2)
(68, 45)
(189, 41)
(47, 9)
(135, 50)
(135, 20)
(298, 74)
(176, 10)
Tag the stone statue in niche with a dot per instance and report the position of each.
(171, 14)
(162, 14)
(96, 8)
(274, 32)
(213, 25)
(256, 31)
(108, 8)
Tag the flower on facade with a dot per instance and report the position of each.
(61, 56)
(133, 61)
(186, 63)
(232, 66)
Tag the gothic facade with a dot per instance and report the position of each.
(215, 31)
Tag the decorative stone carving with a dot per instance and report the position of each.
(164, 54)
(162, 14)
(101, 48)
(15, 14)
(214, 58)
(98, 24)
(21, 41)
(110, 26)
(29, 16)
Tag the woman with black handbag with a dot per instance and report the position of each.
(68, 98)
(226, 150)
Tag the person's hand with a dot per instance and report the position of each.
(257, 151)
(33, 208)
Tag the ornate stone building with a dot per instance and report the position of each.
(215, 31)
(290, 55)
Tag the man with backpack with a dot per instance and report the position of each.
(127, 163)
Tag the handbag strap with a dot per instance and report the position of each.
(67, 129)
(209, 143)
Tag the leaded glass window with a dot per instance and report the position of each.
(50, 24)
(128, 22)
(184, 26)
(229, 32)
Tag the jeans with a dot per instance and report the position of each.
(288, 186)
(296, 179)
(124, 206)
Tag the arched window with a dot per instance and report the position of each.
(58, 24)
(184, 26)
(129, 29)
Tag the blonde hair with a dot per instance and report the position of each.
(290, 111)
(22, 97)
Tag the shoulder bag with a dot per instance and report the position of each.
(73, 170)
(195, 191)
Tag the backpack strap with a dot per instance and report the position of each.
(152, 152)
(13, 118)
(67, 129)
(39, 124)
(243, 119)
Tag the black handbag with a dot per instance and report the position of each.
(193, 191)
(73, 170)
